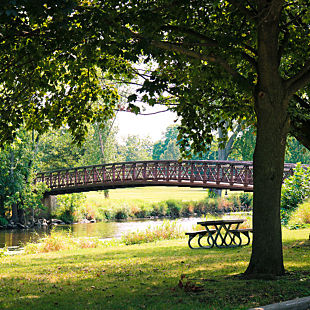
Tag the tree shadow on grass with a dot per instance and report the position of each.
(144, 277)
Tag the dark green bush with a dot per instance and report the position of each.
(121, 214)
(174, 208)
(159, 209)
(143, 211)
(3, 221)
(246, 200)
(108, 214)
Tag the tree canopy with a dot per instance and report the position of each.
(217, 62)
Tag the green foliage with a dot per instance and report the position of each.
(3, 251)
(296, 152)
(57, 150)
(212, 193)
(100, 145)
(159, 209)
(136, 148)
(244, 145)
(174, 207)
(3, 221)
(166, 231)
(167, 148)
(295, 190)
(56, 82)
(19, 197)
(70, 207)
(246, 199)
(300, 217)
(108, 209)
(122, 213)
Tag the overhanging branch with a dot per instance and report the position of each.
(300, 79)
(209, 42)
(209, 58)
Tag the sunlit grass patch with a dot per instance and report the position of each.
(146, 276)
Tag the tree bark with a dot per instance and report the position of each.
(272, 128)
(271, 107)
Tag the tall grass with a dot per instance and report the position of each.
(60, 240)
(166, 231)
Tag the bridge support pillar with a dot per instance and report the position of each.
(49, 203)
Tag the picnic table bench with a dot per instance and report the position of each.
(219, 233)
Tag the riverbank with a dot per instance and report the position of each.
(148, 203)
(101, 230)
(161, 275)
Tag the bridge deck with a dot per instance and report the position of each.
(231, 175)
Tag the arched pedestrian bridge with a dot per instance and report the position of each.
(233, 175)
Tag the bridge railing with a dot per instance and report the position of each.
(225, 174)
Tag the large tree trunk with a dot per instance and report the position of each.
(272, 128)
(271, 105)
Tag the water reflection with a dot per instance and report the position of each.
(102, 230)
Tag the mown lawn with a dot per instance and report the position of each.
(150, 194)
(147, 276)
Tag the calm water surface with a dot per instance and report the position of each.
(104, 230)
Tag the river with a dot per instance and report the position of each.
(102, 230)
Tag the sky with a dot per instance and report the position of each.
(152, 126)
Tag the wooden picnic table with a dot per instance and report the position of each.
(220, 233)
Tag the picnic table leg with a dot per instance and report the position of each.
(232, 236)
(190, 238)
(247, 234)
(218, 235)
(211, 244)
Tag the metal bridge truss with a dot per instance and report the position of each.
(233, 175)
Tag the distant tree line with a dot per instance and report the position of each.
(30, 152)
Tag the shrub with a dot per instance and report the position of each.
(246, 200)
(188, 208)
(122, 213)
(141, 211)
(108, 214)
(70, 207)
(301, 216)
(159, 208)
(224, 205)
(212, 193)
(295, 190)
(3, 221)
(174, 208)
(167, 230)
(235, 199)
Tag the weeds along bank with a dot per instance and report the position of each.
(75, 207)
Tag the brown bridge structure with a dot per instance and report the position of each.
(232, 175)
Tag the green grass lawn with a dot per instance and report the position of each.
(147, 276)
(150, 194)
